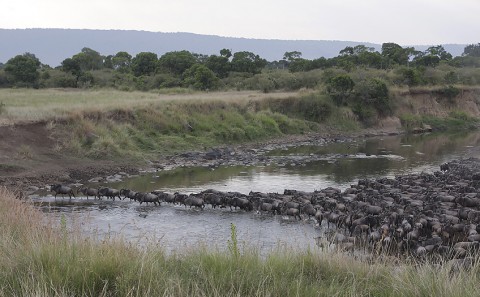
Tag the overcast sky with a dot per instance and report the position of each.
(406, 22)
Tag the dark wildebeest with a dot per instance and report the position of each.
(60, 189)
(88, 192)
(294, 212)
(166, 197)
(180, 198)
(147, 197)
(127, 193)
(109, 192)
(193, 200)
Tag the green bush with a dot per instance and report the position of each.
(448, 93)
(315, 108)
(409, 76)
(451, 77)
(370, 100)
(339, 88)
(410, 121)
(365, 113)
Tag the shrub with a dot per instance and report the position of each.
(339, 88)
(410, 121)
(448, 93)
(371, 95)
(451, 77)
(315, 108)
(410, 76)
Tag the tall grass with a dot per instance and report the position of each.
(43, 258)
(20, 105)
(188, 124)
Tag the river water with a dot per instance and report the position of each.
(177, 229)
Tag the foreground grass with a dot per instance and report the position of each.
(38, 258)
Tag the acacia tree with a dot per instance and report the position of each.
(432, 56)
(177, 62)
(247, 62)
(72, 66)
(472, 50)
(220, 65)
(200, 77)
(395, 54)
(144, 63)
(88, 59)
(121, 61)
(23, 69)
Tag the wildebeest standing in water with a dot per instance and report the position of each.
(89, 192)
(60, 189)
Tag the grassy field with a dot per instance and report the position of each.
(109, 124)
(40, 105)
(43, 258)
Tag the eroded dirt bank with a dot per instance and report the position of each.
(30, 156)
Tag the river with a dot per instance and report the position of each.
(305, 168)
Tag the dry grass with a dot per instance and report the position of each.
(20, 105)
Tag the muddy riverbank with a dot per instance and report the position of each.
(38, 163)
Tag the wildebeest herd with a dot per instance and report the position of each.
(417, 215)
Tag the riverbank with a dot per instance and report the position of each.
(70, 136)
(41, 258)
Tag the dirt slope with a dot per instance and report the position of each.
(29, 156)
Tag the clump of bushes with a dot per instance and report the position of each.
(447, 93)
(313, 107)
(369, 99)
(456, 120)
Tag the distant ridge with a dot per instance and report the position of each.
(52, 46)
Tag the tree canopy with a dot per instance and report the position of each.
(23, 69)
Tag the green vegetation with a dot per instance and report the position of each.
(359, 78)
(172, 126)
(456, 120)
(114, 124)
(42, 258)
(148, 71)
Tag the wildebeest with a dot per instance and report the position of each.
(213, 199)
(147, 197)
(294, 212)
(163, 196)
(242, 203)
(61, 189)
(88, 192)
(180, 198)
(127, 193)
(192, 200)
(109, 193)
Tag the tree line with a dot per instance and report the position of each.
(146, 70)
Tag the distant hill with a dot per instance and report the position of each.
(52, 46)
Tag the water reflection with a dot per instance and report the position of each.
(337, 164)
